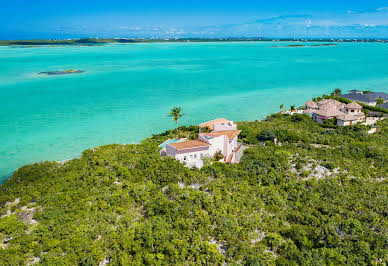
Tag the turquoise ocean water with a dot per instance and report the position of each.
(125, 93)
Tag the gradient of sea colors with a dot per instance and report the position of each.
(126, 90)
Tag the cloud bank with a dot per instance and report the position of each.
(349, 24)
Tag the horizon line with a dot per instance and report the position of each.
(200, 38)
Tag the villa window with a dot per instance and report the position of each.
(352, 111)
(195, 156)
(184, 158)
(191, 156)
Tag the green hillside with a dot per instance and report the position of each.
(320, 198)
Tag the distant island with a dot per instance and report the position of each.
(61, 72)
(52, 45)
(101, 41)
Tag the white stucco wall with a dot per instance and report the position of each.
(218, 144)
(188, 156)
(351, 111)
(224, 127)
(191, 156)
(348, 123)
(342, 123)
(232, 145)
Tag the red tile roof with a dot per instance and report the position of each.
(231, 134)
(189, 144)
(210, 124)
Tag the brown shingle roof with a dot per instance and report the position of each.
(353, 105)
(231, 134)
(328, 106)
(310, 111)
(329, 112)
(189, 144)
(210, 124)
(331, 101)
(311, 104)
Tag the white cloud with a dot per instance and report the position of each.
(308, 23)
(382, 9)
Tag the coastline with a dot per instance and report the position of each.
(3, 179)
(241, 92)
(132, 191)
(102, 41)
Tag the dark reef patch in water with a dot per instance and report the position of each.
(304, 45)
(61, 72)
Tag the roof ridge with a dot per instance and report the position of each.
(214, 120)
(177, 145)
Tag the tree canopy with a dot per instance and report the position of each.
(319, 198)
(175, 113)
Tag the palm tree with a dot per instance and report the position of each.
(379, 101)
(176, 113)
(337, 92)
(281, 107)
(292, 108)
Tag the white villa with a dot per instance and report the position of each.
(346, 114)
(223, 138)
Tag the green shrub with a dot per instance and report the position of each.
(266, 135)
(218, 155)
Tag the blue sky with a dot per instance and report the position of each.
(26, 19)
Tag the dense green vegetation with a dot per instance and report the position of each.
(364, 106)
(319, 198)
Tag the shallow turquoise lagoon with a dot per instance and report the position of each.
(125, 93)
